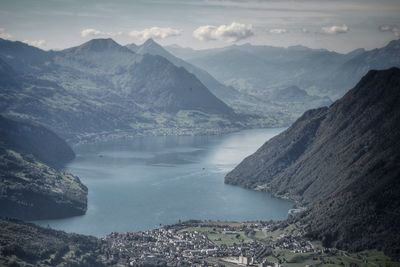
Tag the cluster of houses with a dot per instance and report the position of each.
(164, 246)
(178, 245)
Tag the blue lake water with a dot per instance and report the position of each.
(140, 184)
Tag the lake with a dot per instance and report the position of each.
(142, 183)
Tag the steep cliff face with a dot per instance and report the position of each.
(343, 162)
(32, 186)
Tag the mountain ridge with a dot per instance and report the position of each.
(102, 87)
(318, 71)
(342, 163)
(230, 95)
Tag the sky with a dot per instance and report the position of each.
(338, 25)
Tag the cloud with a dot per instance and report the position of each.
(232, 33)
(155, 33)
(334, 29)
(93, 32)
(305, 30)
(278, 31)
(37, 43)
(390, 28)
(4, 34)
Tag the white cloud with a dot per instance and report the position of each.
(37, 43)
(334, 29)
(90, 32)
(233, 32)
(278, 31)
(390, 28)
(4, 34)
(155, 33)
(93, 32)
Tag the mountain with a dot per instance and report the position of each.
(133, 47)
(101, 88)
(150, 80)
(32, 185)
(96, 46)
(240, 101)
(21, 56)
(259, 70)
(348, 74)
(168, 88)
(342, 162)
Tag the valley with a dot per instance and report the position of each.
(156, 155)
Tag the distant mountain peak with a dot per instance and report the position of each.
(150, 43)
(133, 47)
(99, 45)
(153, 48)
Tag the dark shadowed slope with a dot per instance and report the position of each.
(343, 162)
(170, 88)
(29, 138)
(32, 187)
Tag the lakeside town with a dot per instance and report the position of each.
(210, 243)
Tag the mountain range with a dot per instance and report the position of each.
(260, 70)
(342, 163)
(240, 101)
(103, 87)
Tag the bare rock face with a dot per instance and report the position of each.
(343, 162)
(32, 184)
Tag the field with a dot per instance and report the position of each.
(320, 257)
(371, 258)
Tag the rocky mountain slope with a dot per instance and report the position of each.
(343, 163)
(32, 186)
(101, 87)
